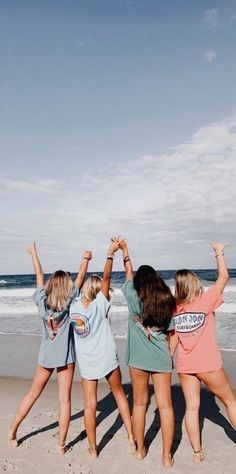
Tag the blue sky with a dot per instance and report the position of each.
(99, 102)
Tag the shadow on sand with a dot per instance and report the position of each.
(209, 410)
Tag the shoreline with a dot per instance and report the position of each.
(19, 356)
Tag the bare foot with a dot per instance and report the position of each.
(62, 449)
(131, 446)
(141, 453)
(12, 441)
(198, 456)
(93, 452)
(167, 460)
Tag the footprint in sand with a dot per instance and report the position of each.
(84, 470)
(9, 466)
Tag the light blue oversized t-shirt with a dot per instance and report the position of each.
(96, 350)
(58, 351)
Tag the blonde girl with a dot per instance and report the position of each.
(198, 358)
(96, 350)
(57, 348)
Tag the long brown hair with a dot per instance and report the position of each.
(158, 303)
(187, 286)
(58, 290)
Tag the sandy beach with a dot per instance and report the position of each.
(38, 433)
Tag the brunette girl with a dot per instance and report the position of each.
(151, 306)
(57, 349)
(198, 358)
(96, 350)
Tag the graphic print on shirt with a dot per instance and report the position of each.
(189, 321)
(148, 331)
(80, 324)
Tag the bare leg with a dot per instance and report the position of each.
(219, 384)
(40, 380)
(191, 388)
(90, 407)
(162, 388)
(140, 379)
(64, 378)
(114, 380)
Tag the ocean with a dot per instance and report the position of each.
(18, 313)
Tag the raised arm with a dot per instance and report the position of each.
(129, 274)
(113, 247)
(223, 274)
(37, 265)
(83, 268)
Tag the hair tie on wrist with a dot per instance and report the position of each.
(87, 258)
(110, 257)
(219, 254)
(126, 259)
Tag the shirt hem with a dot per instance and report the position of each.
(46, 366)
(198, 371)
(100, 376)
(150, 369)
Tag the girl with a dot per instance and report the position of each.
(151, 306)
(96, 350)
(199, 359)
(57, 350)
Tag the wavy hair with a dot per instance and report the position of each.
(92, 286)
(158, 303)
(58, 289)
(187, 286)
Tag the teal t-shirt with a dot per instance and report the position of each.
(146, 350)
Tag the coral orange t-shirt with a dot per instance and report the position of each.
(194, 324)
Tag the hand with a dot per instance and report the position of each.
(219, 246)
(122, 244)
(114, 246)
(88, 255)
(121, 241)
(32, 249)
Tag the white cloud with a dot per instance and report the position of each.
(211, 18)
(162, 203)
(31, 185)
(168, 207)
(210, 55)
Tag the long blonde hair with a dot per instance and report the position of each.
(58, 290)
(187, 286)
(92, 286)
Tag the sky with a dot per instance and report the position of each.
(117, 117)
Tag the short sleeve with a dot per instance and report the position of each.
(212, 299)
(128, 288)
(131, 296)
(103, 304)
(39, 297)
(75, 292)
